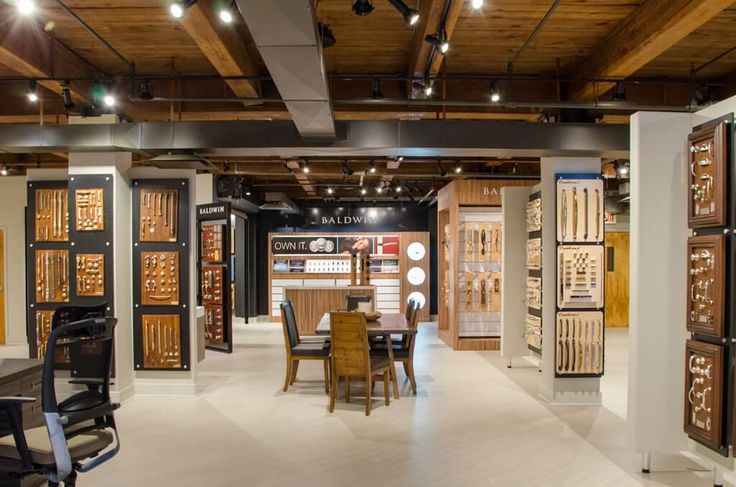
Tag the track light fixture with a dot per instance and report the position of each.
(226, 14)
(363, 191)
(379, 189)
(179, 7)
(325, 33)
(305, 167)
(441, 169)
(363, 7)
(146, 90)
(346, 171)
(439, 40)
(109, 100)
(66, 96)
(398, 189)
(372, 167)
(32, 91)
(477, 4)
(26, 7)
(4, 171)
(458, 168)
(495, 92)
(411, 16)
(376, 92)
(619, 91)
(330, 190)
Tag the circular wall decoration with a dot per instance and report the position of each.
(418, 298)
(416, 276)
(416, 251)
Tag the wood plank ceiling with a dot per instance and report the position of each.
(377, 46)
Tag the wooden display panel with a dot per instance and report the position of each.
(704, 393)
(159, 278)
(707, 177)
(89, 205)
(158, 214)
(580, 277)
(90, 274)
(212, 242)
(496, 237)
(161, 341)
(214, 325)
(52, 215)
(534, 254)
(52, 276)
(212, 279)
(580, 210)
(706, 284)
(495, 292)
(579, 344)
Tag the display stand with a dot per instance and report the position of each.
(556, 389)
(161, 274)
(214, 273)
(514, 263)
(470, 263)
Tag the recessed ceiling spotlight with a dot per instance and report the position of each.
(495, 93)
(26, 7)
(411, 16)
(363, 7)
(477, 4)
(179, 7)
(32, 91)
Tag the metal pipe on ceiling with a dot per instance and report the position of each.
(533, 35)
(94, 33)
(594, 105)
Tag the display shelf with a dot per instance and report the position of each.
(215, 271)
(161, 337)
(532, 326)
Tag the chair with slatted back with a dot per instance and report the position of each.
(351, 358)
(297, 349)
(403, 348)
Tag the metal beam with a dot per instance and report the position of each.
(425, 138)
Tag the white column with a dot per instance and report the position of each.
(513, 283)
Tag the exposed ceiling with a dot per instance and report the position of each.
(551, 60)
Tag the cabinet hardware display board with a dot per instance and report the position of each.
(533, 326)
(69, 237)
(214, 230)
(579, 326)
(161, 274)
(709, 360)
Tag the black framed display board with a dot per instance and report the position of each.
(161, 246)
(69, 260)
(215, 273)
(580, 318)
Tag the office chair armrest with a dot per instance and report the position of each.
(72, 418)
(12, 406)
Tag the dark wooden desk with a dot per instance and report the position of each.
(21, 377)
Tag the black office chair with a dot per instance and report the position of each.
(78, 428)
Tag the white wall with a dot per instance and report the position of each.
(12, 220)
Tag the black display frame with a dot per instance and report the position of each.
(182, 246)
(537, 273)
(206, 215)
(97, 242)
(602, 309)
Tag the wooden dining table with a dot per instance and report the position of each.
(385, 326)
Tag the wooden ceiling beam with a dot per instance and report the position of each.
(648, 32)
(302, 178)
(222, 46)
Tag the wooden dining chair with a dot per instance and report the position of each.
(297, 350)
(403, 348)
(351, 358)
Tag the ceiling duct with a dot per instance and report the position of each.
(278, 202)
(180, 161)
(287, 37)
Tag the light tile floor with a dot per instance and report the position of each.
(474, 422)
